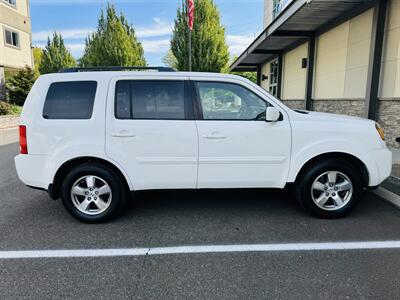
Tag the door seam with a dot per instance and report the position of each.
(198, 155)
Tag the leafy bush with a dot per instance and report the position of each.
(9, 109)
(18, 87)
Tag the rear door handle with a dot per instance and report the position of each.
(123, 134)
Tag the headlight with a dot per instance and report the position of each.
(380, 131)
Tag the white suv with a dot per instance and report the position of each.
(91, 137)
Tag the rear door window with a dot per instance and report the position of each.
(155, 99)
(70, 100)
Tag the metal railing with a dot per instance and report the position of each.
(116, 68)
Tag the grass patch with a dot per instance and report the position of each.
(9, 109)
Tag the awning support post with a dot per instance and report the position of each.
(259, 74)
(375, 58)
(310, 72)
(280, 66)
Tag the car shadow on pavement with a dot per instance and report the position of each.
(216, 200)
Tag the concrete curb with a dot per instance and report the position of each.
(387, 196)
(396, 156)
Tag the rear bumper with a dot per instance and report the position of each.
(32, 170)
(383, 166)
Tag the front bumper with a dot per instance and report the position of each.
(383, 166)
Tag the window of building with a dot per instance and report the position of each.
(12, 38)
(273, 78)
(70, 100)
(278, 6)
(225, 101)
(11, 2)
(144, 99)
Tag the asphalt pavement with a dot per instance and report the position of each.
(29, 220)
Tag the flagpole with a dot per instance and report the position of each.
(190, 14)
(190, 50)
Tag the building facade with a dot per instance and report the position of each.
(331, 56)
(15, 38)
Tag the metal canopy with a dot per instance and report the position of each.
(299, 21)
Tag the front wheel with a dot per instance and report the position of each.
(329, 189)
(93, 193)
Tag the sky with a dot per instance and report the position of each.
(153, 22)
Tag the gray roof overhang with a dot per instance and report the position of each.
(294, 25)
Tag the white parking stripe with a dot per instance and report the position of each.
(369, 245)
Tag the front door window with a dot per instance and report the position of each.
(226, 101)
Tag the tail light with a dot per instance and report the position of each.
(23, 144)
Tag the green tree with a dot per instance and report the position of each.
(55, 56)
(114, 43)
(252, 76)
(18, 86)
(37, 57)
(209, 49)
(170, 60)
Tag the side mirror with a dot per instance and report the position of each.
(272, 114)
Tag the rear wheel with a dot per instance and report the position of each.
(329, 189)
(93, 193)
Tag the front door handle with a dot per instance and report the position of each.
(214, 137)
(123, 134)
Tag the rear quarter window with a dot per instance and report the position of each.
(70, 100)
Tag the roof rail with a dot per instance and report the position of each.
(97, 69)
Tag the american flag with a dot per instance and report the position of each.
(191, 14)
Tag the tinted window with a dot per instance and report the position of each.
(9, 37)
(12, 2)
(12, 38)
(123, 108)
(150, 100)
(70, 100)
(225, 101)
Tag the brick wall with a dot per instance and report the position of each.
(389, 118)
(344, 107)
(294, 104)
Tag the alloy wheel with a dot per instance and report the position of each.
(91, 195)
(332, 190)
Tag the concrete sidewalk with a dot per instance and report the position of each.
(8, 129)
(8, 136)
(8, 121)
(389, 190)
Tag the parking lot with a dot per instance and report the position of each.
(29, 220)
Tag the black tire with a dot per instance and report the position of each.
(304, 184)
(116, 184)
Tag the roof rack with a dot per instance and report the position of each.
(97, 69)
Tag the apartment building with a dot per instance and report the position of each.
(15, 37)
(332, 56)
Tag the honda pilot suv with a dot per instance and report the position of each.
(90, 136)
